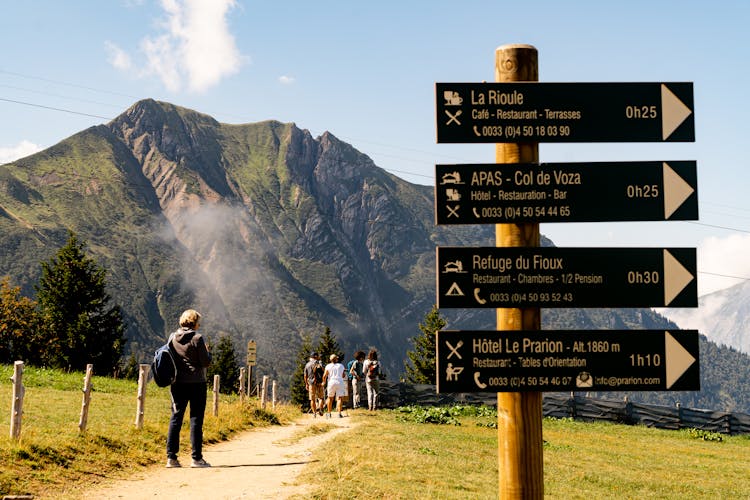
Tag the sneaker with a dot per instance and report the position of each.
(173, 463)
(200, 463)
(340, 415)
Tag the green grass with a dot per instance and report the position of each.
(392, 455)
(411, 453)
(52, 455)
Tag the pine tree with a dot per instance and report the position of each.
(297, 387)
(82, 326)
(420, 369)
(329, 345)
(224, 364)
(21, 335)
(130, 370)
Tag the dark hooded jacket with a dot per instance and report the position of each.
(192, 356)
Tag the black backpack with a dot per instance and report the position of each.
(317, 371)
(163, 366)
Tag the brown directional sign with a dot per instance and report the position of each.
(566, 192)
(578, 360)
(564, 112)
(490, 277)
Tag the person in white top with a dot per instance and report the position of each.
(334, 379)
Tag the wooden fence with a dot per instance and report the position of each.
(393, 395)
(19, 392)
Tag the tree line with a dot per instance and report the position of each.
(71, 323)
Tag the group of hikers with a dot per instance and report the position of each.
(341, 383)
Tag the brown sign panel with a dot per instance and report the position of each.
(564, 112)
(575, 360)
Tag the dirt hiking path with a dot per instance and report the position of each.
(257, 464)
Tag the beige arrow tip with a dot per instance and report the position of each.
(676, 278)
(673, 112)
(676, 190)
(678, 359)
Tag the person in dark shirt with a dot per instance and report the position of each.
(192, 358)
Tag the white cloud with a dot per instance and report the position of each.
(23, 148)
(286, 80)
(193, 47)
(723, 256)
(117, 57)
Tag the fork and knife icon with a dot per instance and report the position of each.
(453, 117)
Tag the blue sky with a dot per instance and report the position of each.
(366, 73)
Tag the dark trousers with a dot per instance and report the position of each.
(182, 394)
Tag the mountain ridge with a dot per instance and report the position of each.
(272, 234)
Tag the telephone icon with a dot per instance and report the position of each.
(476, 214)
(476, 296)
(476, 381)
(476, 131)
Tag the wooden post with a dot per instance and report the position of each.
(263, 391)
(519, 414)
(217, 384)
(83, 421)
(242, 384)
(16, 410)
(249, 381)
(273, 395)
(143, 370)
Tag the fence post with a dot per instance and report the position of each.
(572, 406)
(242, 385)
(273, 395)
(263, 390)
(143, 370)
(83, 421)
(217, 383)
(16, 411)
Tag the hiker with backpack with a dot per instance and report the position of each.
(313, 374)
(354, 369)
(191, 358)
(335, 378)
(373, 373)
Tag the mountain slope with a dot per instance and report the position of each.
(269, 232)
(272, 234)
(720, 316)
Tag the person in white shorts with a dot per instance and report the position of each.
(334, 379)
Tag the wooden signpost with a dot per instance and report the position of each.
(516, 277)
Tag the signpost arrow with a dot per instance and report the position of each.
(490, 277)
(676, 191)
(566, 192)
(564, 112)
(676, 277)
(674, 112)
(677, 358)
(572, 360)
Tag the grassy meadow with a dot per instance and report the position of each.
(396, 456)
(392, 454)
(53, 456)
